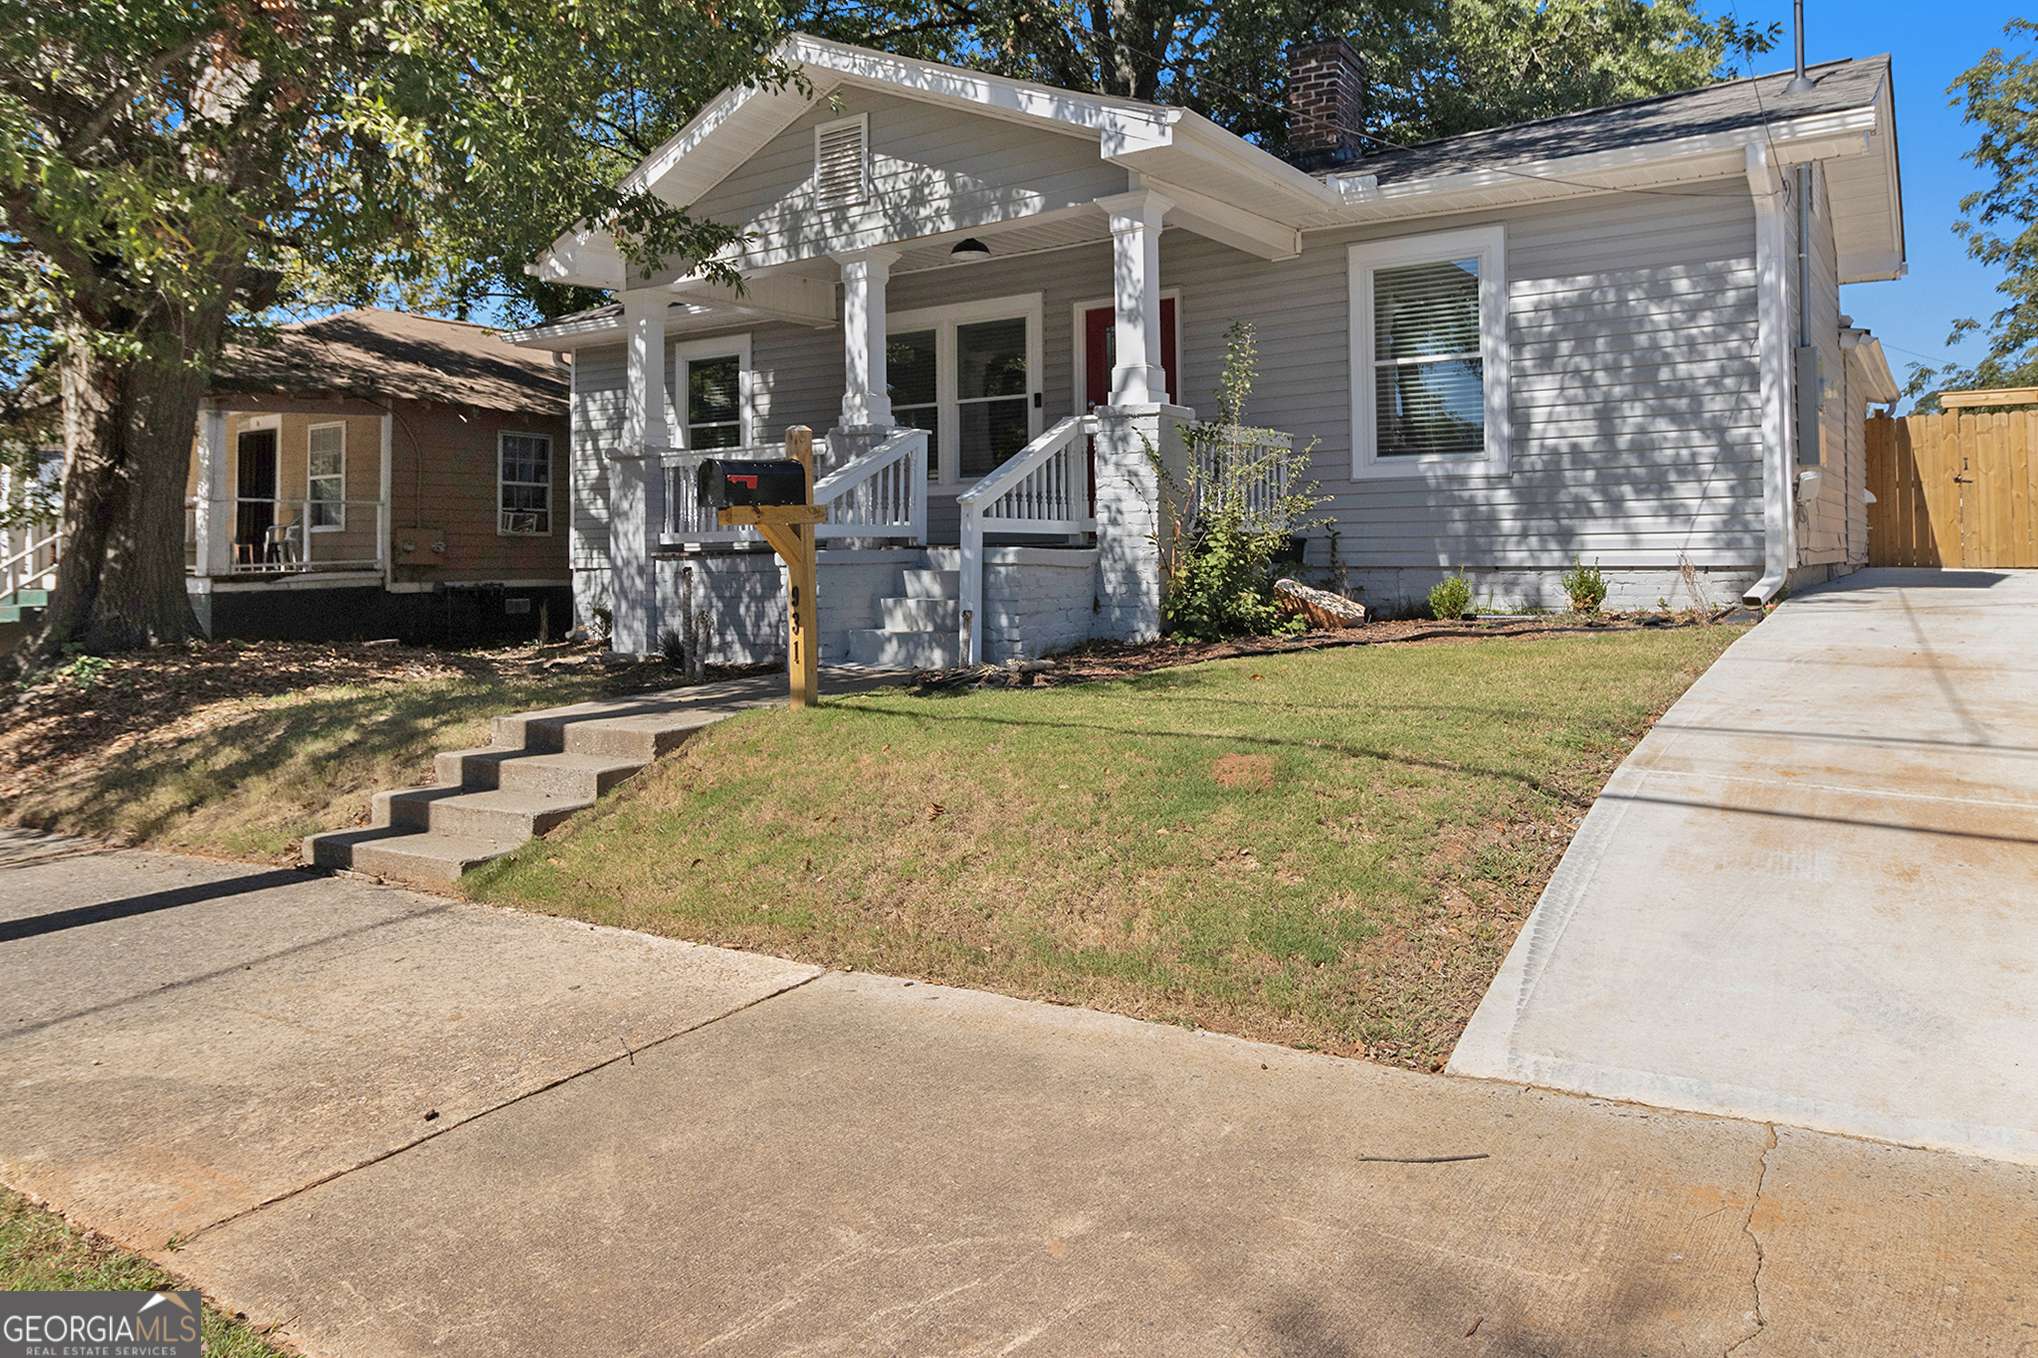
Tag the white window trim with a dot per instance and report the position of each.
(943, 320)
(1489, 244)
(679, 389)
(309, 430)
(551, 475)
(1079, 383)
(860, 121)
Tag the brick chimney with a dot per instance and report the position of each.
(1326, 103)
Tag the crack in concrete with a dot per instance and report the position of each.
(1761, 1256)
(630, 1055)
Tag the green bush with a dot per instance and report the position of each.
(1222, 583)
(1586, 586)
(1450, 598)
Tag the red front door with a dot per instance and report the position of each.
(1100, 353)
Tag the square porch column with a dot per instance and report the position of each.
(866, 386)
(214, 519)
(1138, 378)
(637, 476)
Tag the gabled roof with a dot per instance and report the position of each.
(1235, 192)
(374, 354)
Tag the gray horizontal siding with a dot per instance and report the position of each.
(1635, 432)
(931, 170)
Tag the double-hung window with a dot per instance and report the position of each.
(1429, 354)
(325, 476)
(709, 381)
(523, 484)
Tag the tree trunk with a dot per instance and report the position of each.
(128, 426)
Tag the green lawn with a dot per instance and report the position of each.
(242, 751)
(1332, 850)
(40, 1252)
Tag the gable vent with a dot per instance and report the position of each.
(842, 162)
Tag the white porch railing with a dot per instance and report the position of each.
(1044, 489)
(33, 551)
(688, 523)
(1258, 460)
(269, 537)
(881, 495)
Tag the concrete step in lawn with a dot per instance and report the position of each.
(538, 769)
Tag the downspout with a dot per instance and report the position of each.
(1765, 184)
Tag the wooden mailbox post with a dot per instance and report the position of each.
(790, 531)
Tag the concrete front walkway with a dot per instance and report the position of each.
(397, 1125)
(1811, 893)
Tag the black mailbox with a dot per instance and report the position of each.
(724, 481)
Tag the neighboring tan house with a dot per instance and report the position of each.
(375, 474)
(1613, 337)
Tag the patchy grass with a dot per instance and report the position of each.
(241, 750)
(1332, 850)
(40, 1252)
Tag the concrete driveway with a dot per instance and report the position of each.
(396, 1125)
(1811, 893)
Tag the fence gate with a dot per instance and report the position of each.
(1958, 490)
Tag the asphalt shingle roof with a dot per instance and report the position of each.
(1737, 105)
(374, 353)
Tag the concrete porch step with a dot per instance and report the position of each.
(585, 776)
(932, 584)
(503, 818)
(399, 855)
(905, 650)
(920, 615)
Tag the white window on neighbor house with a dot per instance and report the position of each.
(325, 476)
(1429, 354)
(523, 484)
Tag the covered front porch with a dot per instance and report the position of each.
(285, 494)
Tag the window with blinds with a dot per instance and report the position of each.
(842, 162)
(1429, 353)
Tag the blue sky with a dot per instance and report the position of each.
(1930, 46)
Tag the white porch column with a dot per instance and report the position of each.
(215, 516)
(637, 477)
(1138, 378)
(866, 388)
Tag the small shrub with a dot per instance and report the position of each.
(1220, 538)
(1586, 586)
(1450, 598)
(672, 645)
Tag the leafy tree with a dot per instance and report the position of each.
(1435, 67)
(2000, 222)
(169, 168)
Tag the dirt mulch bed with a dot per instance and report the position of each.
(1116, 660)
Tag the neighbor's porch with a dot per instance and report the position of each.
(287, 494)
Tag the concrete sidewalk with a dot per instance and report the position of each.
(1811, 892)
(400, 1125)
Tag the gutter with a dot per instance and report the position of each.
(1772, 248)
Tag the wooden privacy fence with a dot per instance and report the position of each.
(1958, 490)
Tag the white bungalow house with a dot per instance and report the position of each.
(1613, 337)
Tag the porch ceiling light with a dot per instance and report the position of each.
(971, 248)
